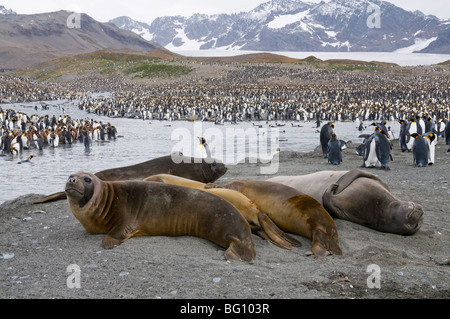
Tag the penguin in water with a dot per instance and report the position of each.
(402, 138)
(27, 160)
(377, 149)
(325, 136)
(421, 150)
(334, 150)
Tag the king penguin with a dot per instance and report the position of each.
(402, 137)
(325, 136)
(447, 135)
(421, 150)
(334, 150)
(203, 150)
(431, 138)
(377, 150)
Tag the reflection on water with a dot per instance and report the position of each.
(143, 140)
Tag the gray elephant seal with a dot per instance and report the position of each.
(359, 197)
(125, 209)
(202, 170)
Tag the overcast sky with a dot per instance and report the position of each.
(148, 10)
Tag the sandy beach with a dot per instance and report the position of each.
(40, 244)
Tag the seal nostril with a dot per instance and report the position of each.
(72, 179)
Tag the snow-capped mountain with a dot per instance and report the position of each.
(140, 28)
(5, 11)
(293, 25)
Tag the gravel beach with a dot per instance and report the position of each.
(43, 247)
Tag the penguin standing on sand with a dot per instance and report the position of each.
(325, 136)
(377, 150)
(429, 125)
(334, 150)
(447, 135)
(413, 128)
(431, 138)
(402, 138)
(421, 150)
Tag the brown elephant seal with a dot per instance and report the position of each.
(124, 209)
(203, 170)
(260, 223)
(359, 197)
(293, 212)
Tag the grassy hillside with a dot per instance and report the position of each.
(111, 62)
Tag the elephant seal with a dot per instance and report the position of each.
(359, 197)
(199, 169)
(123, 209)
(260, 223)
(175, 164)
(293, 212)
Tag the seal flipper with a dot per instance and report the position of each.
(274, 234)
(118, 235)
(51, 198)
(348, 178)
(110, 242)
(237, 250)
(323, 244)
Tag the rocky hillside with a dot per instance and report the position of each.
(290, 25)
(29, 39)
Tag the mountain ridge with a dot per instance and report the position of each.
(288, 25)
(26, 40)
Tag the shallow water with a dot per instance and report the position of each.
(144, 140)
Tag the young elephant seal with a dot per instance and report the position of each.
(293, 212)
(260, 223)
(123, 209)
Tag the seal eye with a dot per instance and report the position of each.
(87, 180)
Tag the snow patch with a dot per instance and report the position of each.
(419, 44)
(331, 34)
(187, 44)
(286, 19)
(144, 33)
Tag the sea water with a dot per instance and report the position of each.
(400, 58)
(141, 140)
